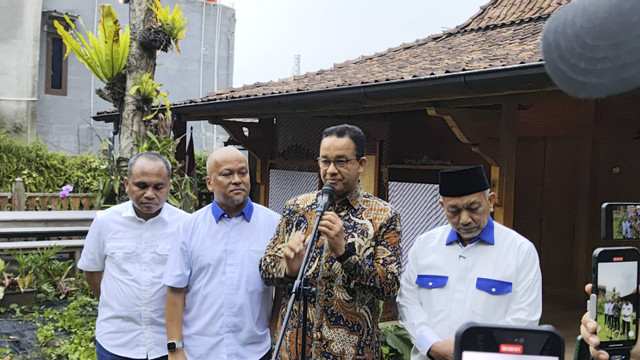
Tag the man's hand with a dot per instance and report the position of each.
(332, 227)
(588, 328)
(177, 355)
(442, 350)
(94, 279)
(294, 253)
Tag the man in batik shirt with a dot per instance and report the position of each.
(354, 265)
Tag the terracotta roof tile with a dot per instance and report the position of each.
(502, 33)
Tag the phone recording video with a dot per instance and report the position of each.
(621, 221)
(478, 355)
(615, 283)
(500, 342)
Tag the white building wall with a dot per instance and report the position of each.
(20, 28)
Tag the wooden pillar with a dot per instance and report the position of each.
(585, 199)
(18, 196)
(180, 129)
(264, 143)
(507, 172)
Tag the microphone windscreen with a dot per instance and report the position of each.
(328, 189)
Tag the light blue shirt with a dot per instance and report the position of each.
(227, 306)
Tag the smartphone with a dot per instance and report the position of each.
(621, 221)
(615, 291)
(501, 342)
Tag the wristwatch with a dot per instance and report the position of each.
(349, 251)
(174, 345)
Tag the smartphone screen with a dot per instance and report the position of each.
(617, 291)
(616, 285)
(621, 221)
(626, 222)
(481, 355)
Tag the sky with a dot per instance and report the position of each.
(269, 33)
(621, 275)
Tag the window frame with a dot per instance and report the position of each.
(48, 67)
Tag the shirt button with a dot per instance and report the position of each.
(430, 283)
(493, 289)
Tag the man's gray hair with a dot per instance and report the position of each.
(151, 156)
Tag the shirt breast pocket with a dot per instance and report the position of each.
(161, 253)
(120, 254)
(433, 292)
(492, 298)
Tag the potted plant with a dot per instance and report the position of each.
(16, 289)
(46, 273)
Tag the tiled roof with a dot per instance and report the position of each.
(502, 33)
(510, 11)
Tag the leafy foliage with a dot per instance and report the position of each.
(46, 171)
(65, 328)
(172, 23)
(48, 274)
(10, 282)
(201, 172)
(182, 186)
(147, 91)
(398, 342)
(106, 55)
(67, 333)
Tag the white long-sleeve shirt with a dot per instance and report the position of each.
(495, 279)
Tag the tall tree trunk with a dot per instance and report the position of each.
(138, 63)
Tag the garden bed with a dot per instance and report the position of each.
(53, 330)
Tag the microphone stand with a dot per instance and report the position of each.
(301, 283)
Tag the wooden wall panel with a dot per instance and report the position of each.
(529, 189)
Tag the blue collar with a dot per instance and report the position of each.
(485, 235)
(217, 211)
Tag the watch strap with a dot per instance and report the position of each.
(174, 345)
(349, 251)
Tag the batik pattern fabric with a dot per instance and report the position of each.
(343, 312)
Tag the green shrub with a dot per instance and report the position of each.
(396, 342)
(46, 171)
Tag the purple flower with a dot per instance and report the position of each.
(65, 191)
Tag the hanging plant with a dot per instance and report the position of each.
(172, 23)
(154, 39)
(104, 56)
(146, 91)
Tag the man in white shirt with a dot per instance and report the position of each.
(473, 269)
(124, 258)
(217, 305)
(627, 312)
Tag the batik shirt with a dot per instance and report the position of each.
(343, 313)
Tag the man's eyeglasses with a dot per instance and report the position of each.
(325, 163)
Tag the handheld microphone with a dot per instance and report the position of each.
(326, 198)
(301, 287)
